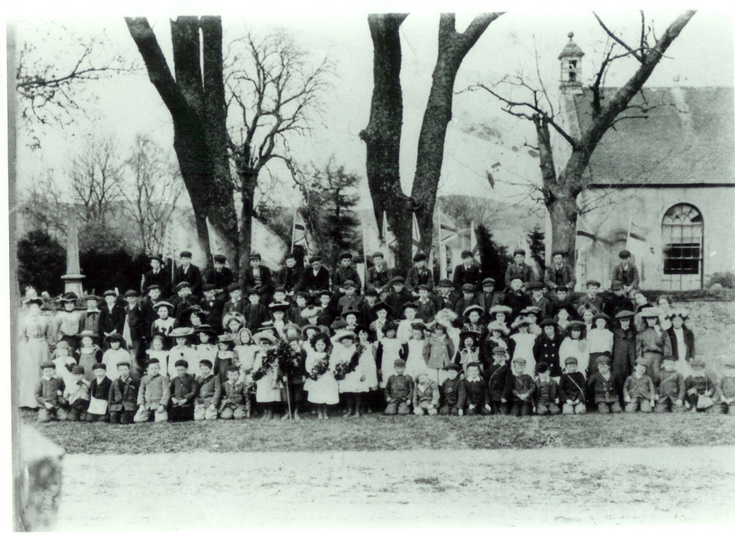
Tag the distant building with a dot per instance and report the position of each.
(662, 187)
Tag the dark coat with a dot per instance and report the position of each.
(220, 279)
(266, 282)
(314, 282)
(473, 275)
(134, 318)
(564, 276)
(111, 320)
(289, 278)
(416, 277)
(123, 395)
(688, 340)
(547, 350)
(623, 352)
(213, 310)
(524, 271)
(379, 280)
(193, 276)
(162, 278)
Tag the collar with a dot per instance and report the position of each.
(473, 380)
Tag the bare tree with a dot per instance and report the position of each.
(274, 93)
(96, 178)
(42, 206)
(383, 134)
(561, 191)
(48, 82)
(152, 196)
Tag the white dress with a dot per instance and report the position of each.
(246, 357)
(204, 351)
(415, 363)
(600, 340)
(61, 368)
(325, 389)
(371, 368)
(112, 357)
(391, 348)
(403, 333)
(267, 389)
(187, 353)
(352, 381)
(32, 352)
(524, 348)
(578, 349)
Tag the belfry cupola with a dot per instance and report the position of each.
(571, 65)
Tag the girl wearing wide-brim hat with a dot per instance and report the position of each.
(33, 350)
(181, 350)
(204, 343)
(89, 352)
(575, 345)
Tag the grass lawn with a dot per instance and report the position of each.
(377, 432)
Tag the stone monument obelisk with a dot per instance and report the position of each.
(73, 278)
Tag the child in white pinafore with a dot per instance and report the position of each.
(389, 349)
(415, 361)
(267, 389)
(323, 388)
(523, 342)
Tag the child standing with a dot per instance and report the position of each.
(572, 388)
(183, 390)
(398, 390)
(638, 390)
(225, 356)
(497, 374)
(670, 391)
(546, 393)
(519, 389)
(390, 348)
(76, 395)
(63, 361)
(453, 392)
(575, 345)
(354, 363)
(497, 332)
(123, 396)
(469, 351)
(624, 344)
(245, 353)
(405, 326)
(438, 352)
(115, 354)
(323, 388)
(156, 351)
(546, 348)
(153, 395)
(652, 342)
(48, 395)
(181, 351)
(99, 395)
(415, 363)
(208, 393)
(89, 353)
(522, 343)
(604, 386)
(600, 340)
(699, 388)
(265, 375)
(425, 396)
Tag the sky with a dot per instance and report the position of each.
(126, 105)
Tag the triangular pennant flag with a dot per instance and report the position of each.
(473, 242)
(447, 227)
(389, 240)
(415, 236)
(216, 241)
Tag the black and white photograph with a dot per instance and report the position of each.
(394, 266)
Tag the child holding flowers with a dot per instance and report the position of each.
(323, 389)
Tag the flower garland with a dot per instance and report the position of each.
(284, 356)
(343, 369)
(269, 359)
(319, 369)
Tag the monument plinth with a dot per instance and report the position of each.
(73, 278)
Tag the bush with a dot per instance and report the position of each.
(725, 279)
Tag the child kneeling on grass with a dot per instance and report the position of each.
(425, 396)
(699, 388)
(153, 395)
(49, 394)
(604, 386)
(572, 388)
(99, 395)
(76, 395)
(519, 389)
(398, 390)
(235, 402)
(546, 393)
(209, 390)
(123, 396)
(497, 374)
(670, 391)
(638, 391)
(183, 390)
(453, 392)
(478, 397)
(726, 388)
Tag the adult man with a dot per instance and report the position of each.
(188, 272)
(559, 273)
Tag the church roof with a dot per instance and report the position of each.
(688, 138)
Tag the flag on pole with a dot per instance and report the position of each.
(216, 241)
(389, 240)
(442, 248)
(415, 236)
(299, 234)
(473, 242)
(447, 228)
(168, 245)
(364, 253)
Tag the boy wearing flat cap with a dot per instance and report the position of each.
(519, 389)
(344, 272)
(48, 395)
(419, 275)
(453, 393)
(123, 396)
(99, 395)
(158, 276)
(489, 297)
(259, 277)
(189, 273)
(546, 393)
(626, 273)
(398, 390)
(446, 298)
(153, 395)
(467, 272)
(290, 274)
(209, 391)
(497, 376)
(469, 298)
(349, 300)
(670, 389)
(638, 390)
(379, 274)
(315, 278)
(220, 276)
(559, 273)
(398, 295)
(516, 298)
(604, 386)
(572, 388)
(519, 268)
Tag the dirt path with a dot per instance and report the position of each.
(411, 488)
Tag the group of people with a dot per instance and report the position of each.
(193, 349)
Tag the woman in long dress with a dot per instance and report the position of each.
(33, 350)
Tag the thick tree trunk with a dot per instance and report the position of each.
(196, 103)
(247, 213)
(563, 213)
(382, 136)
(453, 47)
